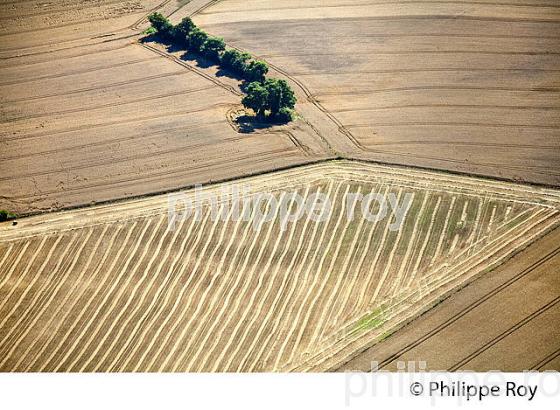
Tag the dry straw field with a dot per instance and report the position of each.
(91, 114)
(112, 289)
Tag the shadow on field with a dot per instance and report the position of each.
(200, 61)
(248, 124)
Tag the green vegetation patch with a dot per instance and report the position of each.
(6, 216)
(370, 321)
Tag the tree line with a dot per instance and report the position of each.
(271, 99)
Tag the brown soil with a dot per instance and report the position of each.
(455, 86)
(98, 119)
(89, 115)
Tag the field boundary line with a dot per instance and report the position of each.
(470, 307)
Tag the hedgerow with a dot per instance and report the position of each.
(270, 99)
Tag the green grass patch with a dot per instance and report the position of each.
(370, 321)
(6, 216)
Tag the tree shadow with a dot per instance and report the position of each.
(201, 61)
(155, 38)
(197, 58)
(248, 123)
(224, 72)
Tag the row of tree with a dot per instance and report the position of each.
(271, 99)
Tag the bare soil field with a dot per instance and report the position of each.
(519, 302)
(113, 289)
(450, 85)
(35, 23)
(104, 119)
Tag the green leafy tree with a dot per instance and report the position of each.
(240, 63)
(182, 31)
(229, 57)
(213, 48)
(236, 61)
(285, 115)
(280, 95)
(256, 71)
(197, 39)
(162, 25)
(256, 99)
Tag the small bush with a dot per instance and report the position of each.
(235, 61)
(228, 58)
(197, 38)
(256, 99)
(280, 95)
(256, 71)
(182, 31)
(274, 96)
(162, 25)
(240, 64)
(6, 216)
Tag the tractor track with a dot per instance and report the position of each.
(108, 105)
(96, 88)
(504, 334)
(470, 307)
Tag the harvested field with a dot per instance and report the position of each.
(96, 121)
(112, 289)
(470, 87)
(37, 23)
(89, 114)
